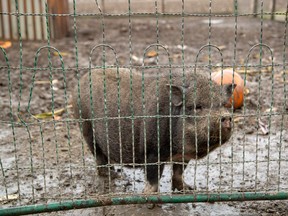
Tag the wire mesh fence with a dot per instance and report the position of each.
(116, 112)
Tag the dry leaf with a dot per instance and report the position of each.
(237, 119)
(56, 117)
(246, 91)
(135, 58)
(61, 53)
(5, 44)
(57, 114)
(222, 47)
(11, 197)
(152, 53)
(46, 81)
(274, 109)
(264, 127)
(181, 47)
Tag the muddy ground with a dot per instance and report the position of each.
(47, 161)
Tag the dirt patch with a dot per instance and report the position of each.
(45, 161)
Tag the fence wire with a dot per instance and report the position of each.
(137, 65)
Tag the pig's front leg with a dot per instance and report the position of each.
(152, 180)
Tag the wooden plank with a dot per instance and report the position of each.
(15, 33)
(30, 26)
(60, 23)
(26, 19)
(34, 20)
(38, 26)
(273, 7)
(34, 27)
(42, 20)
(21, 20)
(1, 21)
(9, 19)
(5, 20)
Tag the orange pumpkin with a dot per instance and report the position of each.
(227, 79)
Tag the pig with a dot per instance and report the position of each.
(127, 119)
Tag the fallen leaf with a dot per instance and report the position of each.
(135, 58)
(150, 61)
(222, 47)
(246, 91)
(237, 119)
(5, 44)
(264, 127)
(152, 53)
(56, 117)
(57, 114)
(274, 109)
(8, 198)
(61, 53)
(180, 47)
(46, 81)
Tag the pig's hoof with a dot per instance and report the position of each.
(150, 188)
(187, 188)
(183, 188)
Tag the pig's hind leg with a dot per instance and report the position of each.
(177, 178)
(101, 159)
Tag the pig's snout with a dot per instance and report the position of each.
(226, 123)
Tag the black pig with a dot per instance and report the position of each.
(147, 139)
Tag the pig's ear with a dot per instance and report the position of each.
(176, 94)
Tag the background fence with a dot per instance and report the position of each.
(44, 159)
(33, 26)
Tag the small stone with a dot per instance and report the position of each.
(38, 187)
(66, 183)
(123, 29)
(270, 210)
